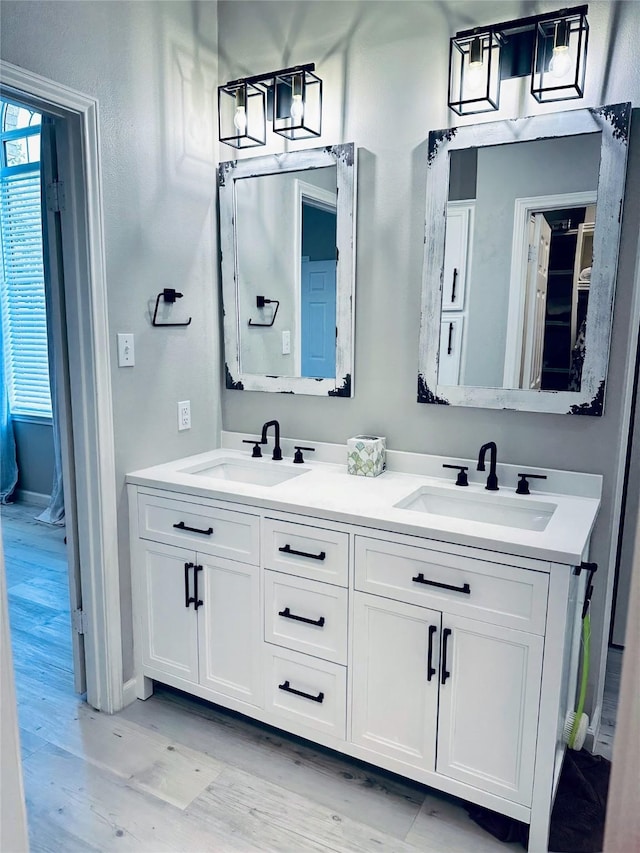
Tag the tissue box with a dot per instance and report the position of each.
(366, 455)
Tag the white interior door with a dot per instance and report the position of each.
(536, 303)
(58, 358)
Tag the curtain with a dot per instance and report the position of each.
(8, 463)
(54, 513)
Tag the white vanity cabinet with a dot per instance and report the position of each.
(306, 573)
(450, 664)
(198, 614)
(422, 666)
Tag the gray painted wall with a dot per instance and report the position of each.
(384, 67)
(152, 66)
(34, 449)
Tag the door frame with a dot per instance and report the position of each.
(523, 208)
(88, 335)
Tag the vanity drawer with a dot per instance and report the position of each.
(221, 532)
(306, 691)
(309, 552)
(305, 615)
(491, 592)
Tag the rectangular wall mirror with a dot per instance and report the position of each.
(521, 252)
(287, 238)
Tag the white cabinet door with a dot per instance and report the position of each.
(169, 621)
(456, 255)
(451, 329)
(489, 695)
(395, 679)
(229, 628)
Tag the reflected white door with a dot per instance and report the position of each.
(536, 305)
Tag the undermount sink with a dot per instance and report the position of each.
(240, 471)
(487, 508)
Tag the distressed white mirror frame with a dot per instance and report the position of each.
(343, 158)
(612, 122)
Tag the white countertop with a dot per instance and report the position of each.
(326, 490)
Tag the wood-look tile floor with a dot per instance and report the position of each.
(177, 774)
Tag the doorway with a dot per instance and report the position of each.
(43, 583)
(84, 312)
(317, 264)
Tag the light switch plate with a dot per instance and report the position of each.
(126, 352)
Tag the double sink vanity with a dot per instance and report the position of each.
(427, 628)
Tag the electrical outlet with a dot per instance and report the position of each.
(184, 415)
(126, 354)
(286, 343)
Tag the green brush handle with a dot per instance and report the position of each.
(586, 642)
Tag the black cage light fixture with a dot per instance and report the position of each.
(290, 98)
(550, 48)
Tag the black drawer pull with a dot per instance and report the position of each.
(430, 670)
(182, 526)
(287, 549)
(287, 687)
(197, 602)
(289, 615)
(421, 579)
(445, 672)
(187, 598)
(453, 284)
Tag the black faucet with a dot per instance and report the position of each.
(492, 479)
(277, 452)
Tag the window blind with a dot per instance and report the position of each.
(24, 315)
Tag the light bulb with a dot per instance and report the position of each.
(475, 70)
(240, 120)
(297, 108)
(475, 76)
(561, 62)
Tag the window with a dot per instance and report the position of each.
(22, 297)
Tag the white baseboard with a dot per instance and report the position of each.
(35, 498)
(129, 694)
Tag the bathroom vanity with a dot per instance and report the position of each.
(425, 628)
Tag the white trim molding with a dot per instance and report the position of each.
(87, 329)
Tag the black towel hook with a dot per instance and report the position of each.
(169, 294)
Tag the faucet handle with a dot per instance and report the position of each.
(523, 482)
(462, 473)
(257, 452)
(297, 456)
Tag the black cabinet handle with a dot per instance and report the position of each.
(187, 598)
(197, 602)
(288, 615)
(287, 549)
(182, 526)
(445, 672)
(287, 687)
(450, 341)
(430, 670)
(421, 579)
(453, 284)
